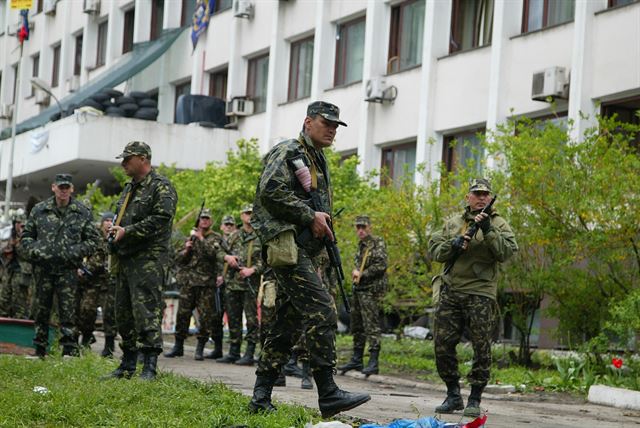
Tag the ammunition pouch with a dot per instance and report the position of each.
(282, 250)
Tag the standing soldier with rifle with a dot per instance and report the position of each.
(291, 217)
(16, 275)
(107, 286)
(471, 246)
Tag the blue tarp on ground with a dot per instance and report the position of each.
(429, 422)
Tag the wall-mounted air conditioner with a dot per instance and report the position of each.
(239, 106)
(73, 83)
(49, 7)
(91, 6)
(377, 90)
(243, 9)
(42, 98)
(551, 83)
(6, 111)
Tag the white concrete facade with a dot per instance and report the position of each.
(446, 93)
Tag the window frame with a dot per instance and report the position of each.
(55, 64)
(154, 32)
(129, 17)
(77, 57)
(35, 69)
(456, 35)
(251, 78)
(389, 178)
(213, 79)
(448, 151)
(178, 91)
(101, 43)
(297, 44)
(545, 16)
(395, 31)
(614, 3)
(217, 9)
(342, 56)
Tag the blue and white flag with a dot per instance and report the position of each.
(201, 16)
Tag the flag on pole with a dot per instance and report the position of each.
(201, 16)
(23, 32)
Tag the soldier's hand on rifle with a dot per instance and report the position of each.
(355, 276)
(197, 233)
(247, 272)
(117, 232)
(320, 226)
(484, 222)
(80, 273)
(219, 281)
(232, 261)
(188, 245)
(460, 243)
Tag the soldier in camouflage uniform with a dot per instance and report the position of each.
(467, 295)
(59, 233)
(141, 252)
(107, 289)
(198, 267)
(294, 169)
(16, 276)
(241, 289)
(369, 285)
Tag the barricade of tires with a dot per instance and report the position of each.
(135, 104)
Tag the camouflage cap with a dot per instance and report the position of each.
(363, 220)
(479, 185)
(107, 215)
(206, 213)
(247, 208)
(135, 148)
(64, 179)
(228, 219)
(329, 111)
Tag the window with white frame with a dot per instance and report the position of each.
(257, 82)
(300, 69)
(405, 37)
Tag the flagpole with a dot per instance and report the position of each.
(14, 121)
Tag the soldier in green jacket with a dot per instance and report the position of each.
(16, 276)
(467, 297)
(58, 234)
(141, 253)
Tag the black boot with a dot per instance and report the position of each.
(109, 345)
(473, 403)
(149, 369)
(372, 366)
(217, 349)
(306, 378)
(127, 366)
(355, 363)
(261, 400)
(70, 350)
(291, 368)
(281, 380)
(87, 340)
(232, 356)
(247, 358)
(177, 350)
(453, 401)
(41, 351)
(331, 399)
(200, 349)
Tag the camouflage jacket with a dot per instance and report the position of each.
(246, 246)
(281, 203)
(97, 265)
(373, 276)
(148, 217)
(476, 270)
(199, 267)
(57, 240)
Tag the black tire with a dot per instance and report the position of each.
(129, 108)
(148, 102)
(108, 103)
(100, 97)
(113, 93)
(146, 113)
(115, 112)
(138, 95)
(125, 100)
(92, 103)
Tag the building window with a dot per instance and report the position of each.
(77, 57)
(463, 150)
(257, 82)
(127, 37)
(39, 6)
(625, 111)
(35, 69)
(157, 16)
(300, 69)
(188, 9)
(614, 3)
(471, 24)
(222, 5)
(405, 41)
(540, 14)
(181, 89)
(101, 51)
(15, 81)
(350, 52)
(55, 75)
(398, 164)
(218, 84)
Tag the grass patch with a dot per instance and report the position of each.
(76, 397)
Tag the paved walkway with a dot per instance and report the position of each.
(396, 398)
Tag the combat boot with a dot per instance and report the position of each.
(306, 378)
(261, 400)
(41, 351)
(247, 358)
(177, 350)
(70, 350)
(291, 368)
(200, 349)
(473, 403)
(355, 363)
(149, 369)
(372, 366)
(109, 345)
(217, 349)
(127, 366)
(232, 356)
(331, 399)
(453, 401)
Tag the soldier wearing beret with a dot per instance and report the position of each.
(467, 296)
(369, 285)
(294, 169)
(140, 239)
(58, 234)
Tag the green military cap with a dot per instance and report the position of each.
(64, 179)
(329, 111)
(135, 148)
(228, 219)
(479, 185)
(206, 213)
(247, 208)
(363, 220)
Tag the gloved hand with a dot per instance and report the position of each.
(458, 243)
(485, 224)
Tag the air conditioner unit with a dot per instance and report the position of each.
(73, 83)
(49, 7)
(377, 90)
(6, 111)
(239, 106)
(243, 9)
(42, 98)
(550, 83)
(91, 6)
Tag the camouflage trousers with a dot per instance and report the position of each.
(302, 302)
(457, 313)
(63, 286)
(198, 297)
(86, 308)
(237, 302)
(107, 299)
(365, 319)
(139, 303)
(14, 299)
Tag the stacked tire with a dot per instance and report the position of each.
(135, 104)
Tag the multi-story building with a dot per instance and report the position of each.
(409, 76)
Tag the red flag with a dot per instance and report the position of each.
(23, 32)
